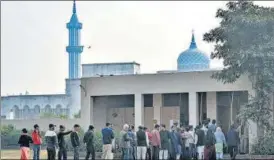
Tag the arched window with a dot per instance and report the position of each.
(58, 109)
(16, 112)
(37, 111)
(48, 109)
(26, 112)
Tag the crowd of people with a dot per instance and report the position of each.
(205, 141)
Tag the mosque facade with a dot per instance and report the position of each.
(119, 93)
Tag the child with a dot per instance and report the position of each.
(24, 142)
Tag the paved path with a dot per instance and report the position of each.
(226, 157)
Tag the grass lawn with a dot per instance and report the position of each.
(15, 154)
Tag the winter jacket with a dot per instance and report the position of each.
(125, 140)
(89, 140)
(155, 138)
(75, 141)
(210, 139)
(164, 137)
(176, 142)
(141, 138)
(132, 136)
(36, 138)
(232, 138)
(61, 140)
(201, 137)
(25, 140)
(51, 139)
(108, 135)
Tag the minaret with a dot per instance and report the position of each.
(74, 48)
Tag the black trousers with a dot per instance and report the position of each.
(62, 153)
(51, 153)
(233, 150)
(155, 152)
(90, 152)
(148, 156)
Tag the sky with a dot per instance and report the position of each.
(152, 33)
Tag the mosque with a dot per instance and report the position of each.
(119, 93)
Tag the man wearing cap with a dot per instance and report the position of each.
(51, 142)
(62, 143)
(36, 137)
(75, 141)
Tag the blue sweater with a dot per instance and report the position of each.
(108, 135)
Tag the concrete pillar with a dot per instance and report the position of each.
(87, 111)
(157, 104)
(211, 105)
(193, 111)
(138, 110)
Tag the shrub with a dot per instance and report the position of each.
(264, 144)
(9, 136)
(52, 115)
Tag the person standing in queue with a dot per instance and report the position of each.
(52, 142)
(200, 142)
(149, 138)
(176, 143)
(165, 138)
(37, 141)
(24, 142)
(108, 137)
(156, 142)
(89, 141)
(233, 140)
(75, 141)
(62, 143)
(142, 143)
(133, 141)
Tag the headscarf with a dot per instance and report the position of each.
(218, 132)
(218, 129)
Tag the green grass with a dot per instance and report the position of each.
(15, 154)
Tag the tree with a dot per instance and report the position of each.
(245, 41)
(52, 115)
(77, 115)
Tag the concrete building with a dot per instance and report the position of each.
(186, 97)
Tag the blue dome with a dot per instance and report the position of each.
(193, 59)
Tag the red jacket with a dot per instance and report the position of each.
(36, 138)
(155, 139)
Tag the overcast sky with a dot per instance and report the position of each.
(34, 37)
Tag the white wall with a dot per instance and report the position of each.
(160, 83)
(73, 90)
(8, 102)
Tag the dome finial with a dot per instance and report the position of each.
(74, 7)
(193, 42)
